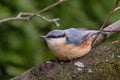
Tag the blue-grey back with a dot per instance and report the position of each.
(76, 36)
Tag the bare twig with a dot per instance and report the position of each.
(20, 16)
(107, 32)
(55, 20)
(49, 7)
(28, 16)
(106, 20)
(110, 14)
(117, 9)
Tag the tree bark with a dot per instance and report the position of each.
(102, 63)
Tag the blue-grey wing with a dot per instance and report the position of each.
(76, 36)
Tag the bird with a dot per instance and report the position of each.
(70, 43)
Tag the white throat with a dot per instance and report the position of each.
(56, 41)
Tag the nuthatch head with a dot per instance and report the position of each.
(70, 43)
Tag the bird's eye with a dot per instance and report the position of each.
(55, 36)
(60, 36)
(51, 36)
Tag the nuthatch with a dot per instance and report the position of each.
(70, 43)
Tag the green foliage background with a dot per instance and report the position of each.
(20, 45)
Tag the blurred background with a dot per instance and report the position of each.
(20, 45)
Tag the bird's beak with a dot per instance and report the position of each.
(43, 37)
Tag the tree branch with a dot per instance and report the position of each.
(102, 63)
(107, 32)
(28, 16)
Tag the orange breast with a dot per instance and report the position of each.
(69, 51)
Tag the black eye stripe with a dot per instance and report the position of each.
(54, 36)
